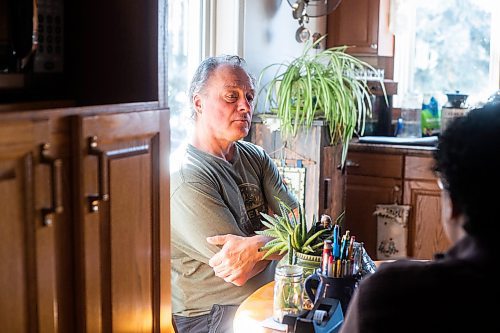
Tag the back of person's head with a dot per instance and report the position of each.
(207, 67)
(468, 162)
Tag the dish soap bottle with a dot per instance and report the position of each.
(431, 116)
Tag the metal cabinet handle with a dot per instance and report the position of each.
(396, 194)
(374, 46)
(102, 160)
(351, 163)
(56, 183)
(326, 195)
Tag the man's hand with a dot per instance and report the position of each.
(239, 258)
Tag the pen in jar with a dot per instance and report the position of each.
(350, 253)
(336, 245)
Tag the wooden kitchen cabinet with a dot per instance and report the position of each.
(84, 180)
(362, 25)
(332, 186)
(402, 175)
(84, 198)
(28, 293)
(372, 179)
(425, 233)
(120, 169)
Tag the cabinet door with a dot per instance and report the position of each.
(425, 231)
(363, 193)
(332, 187)
(28, 202)
(363, 25)
(122, 232)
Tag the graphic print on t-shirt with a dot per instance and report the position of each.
(254, 204)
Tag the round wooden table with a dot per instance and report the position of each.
(254, 310)
(257, 310)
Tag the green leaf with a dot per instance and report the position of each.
(268, 232)
(272, 250)
(317, 245)
(314, 236)
(271, 244)
(284, 249)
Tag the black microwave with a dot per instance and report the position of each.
(31, 42)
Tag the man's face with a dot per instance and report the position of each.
(225, 105)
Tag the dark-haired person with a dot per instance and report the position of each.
(456, 291)
(218, 191)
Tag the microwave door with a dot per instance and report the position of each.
(16, 37)
(22, 28)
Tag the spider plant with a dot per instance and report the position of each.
(319, 85)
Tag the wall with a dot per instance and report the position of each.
(269, 35)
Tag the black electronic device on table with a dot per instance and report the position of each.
(326, 317)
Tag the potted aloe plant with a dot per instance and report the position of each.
(290, 234)
(319, 84)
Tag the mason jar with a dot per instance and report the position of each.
(288, 291)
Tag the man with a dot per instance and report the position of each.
(217, 194)
(454, 292)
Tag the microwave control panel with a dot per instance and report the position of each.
(50, 49)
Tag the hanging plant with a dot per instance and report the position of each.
(323, 85)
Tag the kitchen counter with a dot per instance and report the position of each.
(388, 148)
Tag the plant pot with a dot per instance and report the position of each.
(309, 262)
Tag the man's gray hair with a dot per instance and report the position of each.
(206, 69)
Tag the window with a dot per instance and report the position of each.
(185, 51)
(196, 29)
(445, 46)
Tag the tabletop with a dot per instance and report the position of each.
(255, 312)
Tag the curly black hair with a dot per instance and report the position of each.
(468, 161)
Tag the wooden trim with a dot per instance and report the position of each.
(164, 232)
(419, 168)
(78, 231)
(30, 251)
(15, 114)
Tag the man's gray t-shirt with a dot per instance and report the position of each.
(210, 196)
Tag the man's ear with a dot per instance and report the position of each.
(197, 102)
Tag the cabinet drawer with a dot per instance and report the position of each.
(378, 165)
(419, 168)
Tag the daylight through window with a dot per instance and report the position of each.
(447, 46)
